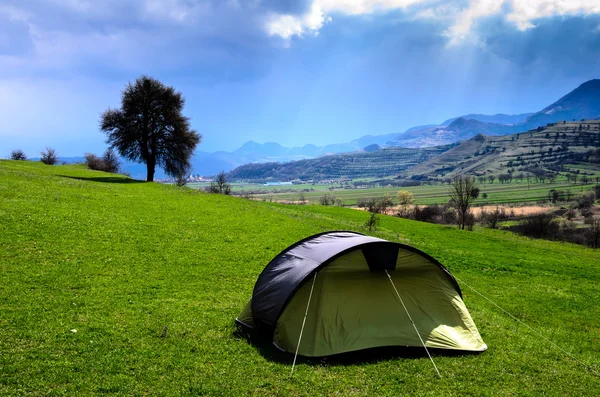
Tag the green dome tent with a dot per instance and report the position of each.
(338, 292)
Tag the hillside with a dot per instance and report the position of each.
(545, 148)
(352, 165)
(458, 130)
(112, 286)
(581, 103)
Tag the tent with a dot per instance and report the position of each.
(342, 291)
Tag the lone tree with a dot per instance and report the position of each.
(149, 128)
(18, 154)
(463, 191)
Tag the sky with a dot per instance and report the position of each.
(289, 71)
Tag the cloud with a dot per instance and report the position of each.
(287, 26)
(523, 14)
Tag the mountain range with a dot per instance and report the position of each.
(581, 103)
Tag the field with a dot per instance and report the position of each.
(497, 193)
(151, 278)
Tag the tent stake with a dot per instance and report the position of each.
(303, 322)
(413, 323)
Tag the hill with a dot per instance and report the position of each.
(376, 163)
(113, 286)
(459, 129)
(546, 148)
(499, 118)
(581, 103)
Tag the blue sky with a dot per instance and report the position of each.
(294, 72)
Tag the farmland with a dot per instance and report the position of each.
(517, 192)
(115, 286)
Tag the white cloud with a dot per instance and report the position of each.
(287, 25)
(522, 13)
(356, 7)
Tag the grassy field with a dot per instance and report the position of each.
(152, 276)
(497, 193)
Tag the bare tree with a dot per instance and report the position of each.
(18, 154)
(463, 192)
(220, 185)
(49, 156)
(111, 161)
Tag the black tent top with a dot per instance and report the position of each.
(288, 270)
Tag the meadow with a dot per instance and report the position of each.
(115, 286)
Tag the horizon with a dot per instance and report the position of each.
(294, 73)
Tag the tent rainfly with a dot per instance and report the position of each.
(342, 291)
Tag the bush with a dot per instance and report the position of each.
(220, 185)
(94, 162)
(18, 154)
(469, 220)
(491, 219)
(449, 216)
(49, 156)
(593, 233)
(586, 200)
(371, 223)
(430, 213)
(378, 205)
(327, 199)
(111, 161)
(539, 226)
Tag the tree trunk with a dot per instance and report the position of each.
(150, 165)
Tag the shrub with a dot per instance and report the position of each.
(449, 216)
(539, 226)
(428, 213)
(593, 233)
(571, 213)
(49, 156)
(378, 205)
(94, 162)
(491, 219)
(18, 154)
(220, 185)
(327, 199)
(111, 161)
(586, 200)
(371, 223)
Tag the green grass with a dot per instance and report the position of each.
(119, 260)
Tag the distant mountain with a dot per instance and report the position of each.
(581, 103)
(379, 163)
(500, 118)
(458, 130)
(543, 149)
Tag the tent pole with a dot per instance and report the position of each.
(303, 322)
(413, 323)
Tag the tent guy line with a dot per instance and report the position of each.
(531, 329)
(413, 323)
(304, 322)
